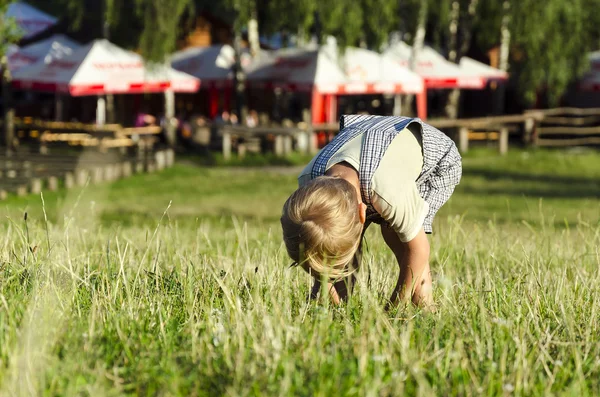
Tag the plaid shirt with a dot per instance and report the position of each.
(442, 167)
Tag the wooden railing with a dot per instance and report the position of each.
(493, 128)
(550, 127)
(562, 127)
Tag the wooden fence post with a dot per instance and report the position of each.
(69, 180)
(52, 183)
(109, 173)
(503, 140)
(160, 159)
(529, 129)
(313, 141)
(21, 190)
(287, 144)
(139, 166)
(169, 157)
(241, 150)
(126, 166)
(226, 145)
(97, 175)
(278, 145)
(463, 139)
(81, 177)
(117, 171)
(36, 186)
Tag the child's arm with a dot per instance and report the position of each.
(414, 281)
(333, 293)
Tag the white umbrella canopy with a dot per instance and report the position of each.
(473, 67)
(213, 65)
(434, 68)
(370, 72)
(99, 68)
(54, 47)
(300, 69)
(29, 19)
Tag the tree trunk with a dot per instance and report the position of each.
(239, 77)
(416, 50)
(169, 120)
(110, 100)
(453, 45)
(457, 52)
(253, 37)
(453, 56)
(9, 112)
(504, 54)
(419, 35)
(110, 108)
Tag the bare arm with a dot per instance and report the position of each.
(335, 296)
(414, 281)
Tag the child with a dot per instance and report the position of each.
(394, 171)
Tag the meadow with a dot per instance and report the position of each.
(177, 283)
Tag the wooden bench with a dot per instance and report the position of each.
(103, 137)
(282, 138)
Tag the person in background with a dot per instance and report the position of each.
(144, 119)
(223, 118)
(252, 119)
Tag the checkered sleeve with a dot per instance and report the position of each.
(440, 185)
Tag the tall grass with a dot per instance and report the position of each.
(121, 292)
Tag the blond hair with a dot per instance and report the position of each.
(321, 226)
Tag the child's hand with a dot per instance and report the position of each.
(335, 298)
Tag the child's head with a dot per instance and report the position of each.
(322, 226)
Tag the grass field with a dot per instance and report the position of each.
(177, 283)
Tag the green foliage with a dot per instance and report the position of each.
(161, 21)
(380, 18)
(553, 42)
(487, 24)
(151, 26)
(439, 13)
(276, 16)
(9, 32)
(550, 40)
(343, 20)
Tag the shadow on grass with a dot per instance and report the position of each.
(531, 185)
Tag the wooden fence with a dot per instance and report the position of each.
(120, 151)
(493, 128)
(563, 127)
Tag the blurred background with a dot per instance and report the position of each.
(238, 77)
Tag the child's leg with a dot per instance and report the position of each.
(414, 281)
(341, 289)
